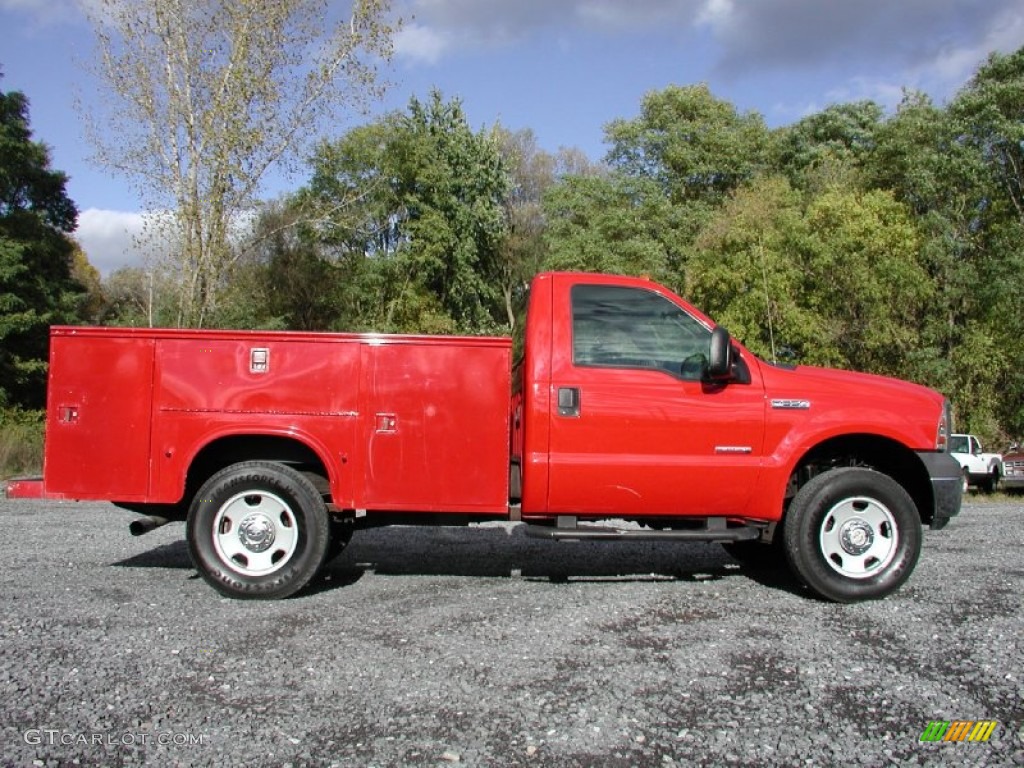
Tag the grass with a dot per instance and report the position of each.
(21, 443)
(1002, 496)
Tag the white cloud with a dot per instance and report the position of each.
(904, 36)
(716, 13)
(615, 15)
(933, 45)
(441, 27)
(882, 91)
(421, 43)
(115, 239)
(109, 238)
(954, 63)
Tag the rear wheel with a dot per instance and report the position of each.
(258, 530)
(991, 484)
(852, 534)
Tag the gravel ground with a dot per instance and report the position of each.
(479, 647)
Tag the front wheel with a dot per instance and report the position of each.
(852, 534)
(258, 530)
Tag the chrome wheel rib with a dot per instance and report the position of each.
(859, 537)
(852, 534)
(255, 533)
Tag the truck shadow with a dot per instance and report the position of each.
(504, 551)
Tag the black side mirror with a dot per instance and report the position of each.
(720, 356)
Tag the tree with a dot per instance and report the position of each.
(138, 298)
(865, 279)
(749, 272)
(206, 97)
(671, 168)
(612, 223)
(826, 150)
(989, 115)
(407, 215)
(991, 110)
(452, 184)
(697, 147)
(534, 172)
(36, 256)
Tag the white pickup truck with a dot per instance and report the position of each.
(980, 469)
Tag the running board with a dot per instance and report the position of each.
(567, 528)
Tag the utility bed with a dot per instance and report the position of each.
(404, 423)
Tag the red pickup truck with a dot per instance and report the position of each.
(630, 415)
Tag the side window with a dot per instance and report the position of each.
(618, 327)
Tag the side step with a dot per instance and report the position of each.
(567, 528)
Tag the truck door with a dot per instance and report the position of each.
(634, 428)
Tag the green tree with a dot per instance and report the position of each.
(671, 168)
(204, 98)
(135, 297)
(697, 147)
(285, 282)
(612, 223)
(991, 111)
(534, 172)
(922, 159)
(989, 116)
(749, 271)
(827, 150)
(453, 183)
(865, 280)
(36, 256)
(409, 213)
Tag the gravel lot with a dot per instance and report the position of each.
(479, 647)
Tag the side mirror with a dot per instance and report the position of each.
(720, 356)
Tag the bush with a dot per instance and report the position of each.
(21, 442)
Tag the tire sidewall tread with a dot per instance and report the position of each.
(307, 506)
(802, 529)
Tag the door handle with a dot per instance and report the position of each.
(569, 401)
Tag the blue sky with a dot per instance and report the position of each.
(563, 68)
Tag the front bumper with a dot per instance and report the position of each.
(1013, 473)
(947, 486)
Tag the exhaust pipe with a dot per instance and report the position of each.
(146, 524)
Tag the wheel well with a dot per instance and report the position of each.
(231, 450)
(873, 452)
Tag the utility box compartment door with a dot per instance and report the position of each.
(436, 421)
(98, 416)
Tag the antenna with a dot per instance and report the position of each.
(767, 299)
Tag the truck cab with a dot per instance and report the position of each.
(980, 469)
(635, 404)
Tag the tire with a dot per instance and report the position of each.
(258, 530)
(967, 479)
(991, 483)
(852, 534)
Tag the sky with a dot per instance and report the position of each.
(561, 68)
